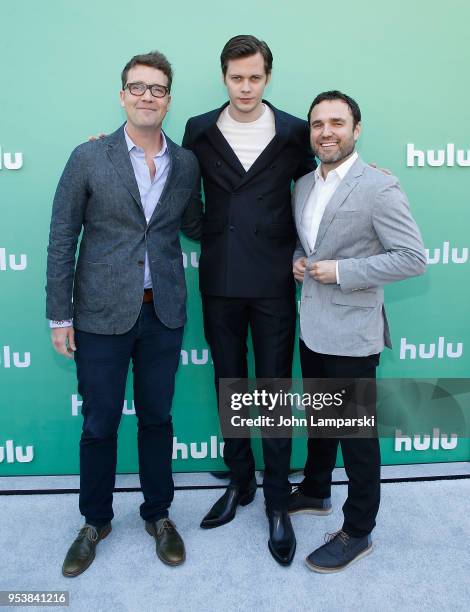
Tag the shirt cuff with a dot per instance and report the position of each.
(337, 272)
(65, 323)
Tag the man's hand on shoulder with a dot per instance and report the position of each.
(298, 269)
(63, 341)
(383, 170)
(99, 137)
(324, 271)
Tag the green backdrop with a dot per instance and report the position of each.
(405, 62)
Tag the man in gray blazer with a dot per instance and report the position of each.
(356, 234)
(124, 299)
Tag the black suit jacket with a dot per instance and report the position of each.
(248, 232)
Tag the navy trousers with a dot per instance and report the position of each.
(102, 363)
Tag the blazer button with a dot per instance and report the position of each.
(140, 263)
(260, 197)
(218, 164)
(232, 228)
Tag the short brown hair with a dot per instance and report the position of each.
(245, 45)
(154, 59)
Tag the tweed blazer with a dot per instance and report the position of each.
(98, 199)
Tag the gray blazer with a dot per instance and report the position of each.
(367, 226)
(98, 197)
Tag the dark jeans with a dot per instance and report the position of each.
(361, 455)
(102, 364)
(272, 325)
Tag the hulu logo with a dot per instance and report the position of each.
(11, 161)
(192, 259)
(13, 453)
(417, 442)
(194, 357)
(14, 359)
(442, 157)
(434, 350)
(447, 255)
(12, 262)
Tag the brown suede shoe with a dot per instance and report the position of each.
(82, 552)
(170, 546)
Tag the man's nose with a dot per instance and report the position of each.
(147, 96)
(246, 85)
(327, 131)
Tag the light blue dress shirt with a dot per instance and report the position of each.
(149, 190)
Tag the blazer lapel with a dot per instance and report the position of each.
(119, 156)
(221, 145)
(347, 185)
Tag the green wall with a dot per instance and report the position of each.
(406, 63)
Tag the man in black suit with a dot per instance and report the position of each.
(249, 153)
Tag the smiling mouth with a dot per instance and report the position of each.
(327, 145)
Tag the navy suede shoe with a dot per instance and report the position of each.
(338, 552)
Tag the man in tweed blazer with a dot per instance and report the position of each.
(356, 234)
(128, 195)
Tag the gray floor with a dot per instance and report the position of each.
(421, 558)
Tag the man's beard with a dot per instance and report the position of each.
(341, 154)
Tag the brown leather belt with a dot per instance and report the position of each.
(148, 296)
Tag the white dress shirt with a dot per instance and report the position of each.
(318, 200)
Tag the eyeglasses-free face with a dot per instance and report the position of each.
(145, 97)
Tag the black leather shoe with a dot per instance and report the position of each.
(224, 509)
(282, 541)
(170, 545)
(82, 552)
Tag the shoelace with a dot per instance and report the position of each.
(167, 525)
(88, 531)
(342, 535)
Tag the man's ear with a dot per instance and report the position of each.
(121, 96)
(357, 130)
(268, 78)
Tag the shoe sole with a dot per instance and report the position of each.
(319, 512)
(276, 558)
(243, 501)
(163, 559)
(104, 535)
(332, 570)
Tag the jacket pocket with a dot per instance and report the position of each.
(92, 286)
(363, 298)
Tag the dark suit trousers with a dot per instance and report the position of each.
(272, 325)
(361, 455)
(102, 365)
